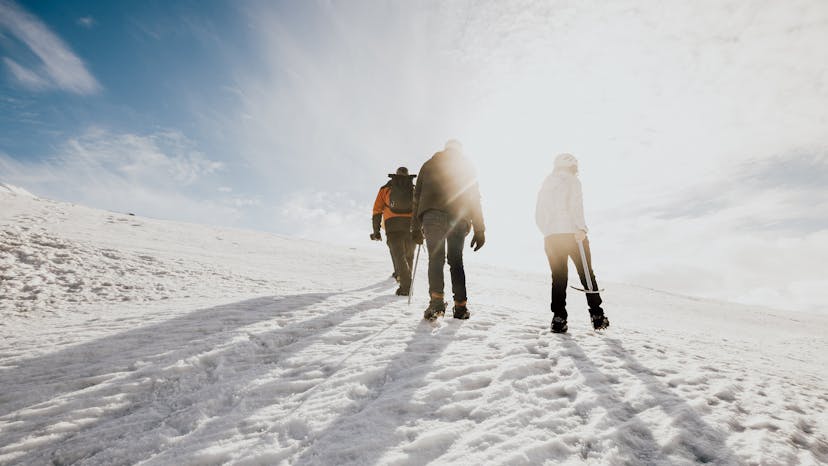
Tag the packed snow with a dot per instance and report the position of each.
(128, 340)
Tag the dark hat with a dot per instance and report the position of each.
(402, 171)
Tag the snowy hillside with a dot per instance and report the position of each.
(128, 340)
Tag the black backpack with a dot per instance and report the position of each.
(402, 194)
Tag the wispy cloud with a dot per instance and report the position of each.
(332, 217)
(756, 233)
(87, 22)
(160, 174)
(329, 94)
(25, 76)
(58, 66)
(783, 192)
(162, 157)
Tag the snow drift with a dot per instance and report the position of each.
(6, 189)
(129, 340)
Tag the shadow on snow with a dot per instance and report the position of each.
(369, 428)
(702, 442)
(134, 378)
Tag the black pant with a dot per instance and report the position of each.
(444, 236)
(402, 254)
(559, 248)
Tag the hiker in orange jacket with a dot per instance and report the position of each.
(393, 208)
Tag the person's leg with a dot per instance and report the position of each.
(557, 254)
(408, 247)
(435, 227)
(396, 273)
(593, 299)
(396, 241)
(455, 240)
(409, 251)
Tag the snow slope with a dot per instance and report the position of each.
(126, 340)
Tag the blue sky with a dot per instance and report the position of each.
(700, 126)
(144, 68)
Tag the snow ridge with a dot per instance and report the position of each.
(7, 189)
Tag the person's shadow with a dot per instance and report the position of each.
(367, 429)
(123, 377)
(697, 440)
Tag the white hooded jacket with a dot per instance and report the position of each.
(560, 207)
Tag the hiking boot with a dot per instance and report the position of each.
(401, 292)
(461, 312)
(436, 308)
(599, 320)
(559, 325)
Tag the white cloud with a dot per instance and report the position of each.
(242, 202)
(333, 96)
(160, 174)
(757, 234)
(710, 259)
(58, 66)
(87, 22)
(161, 158)
(331, 217)
(25, 76)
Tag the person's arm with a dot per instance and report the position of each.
(474, 204)
(416, 229)
(479, 237)
(415, 206)
(541, 208)
(576, 207)
(476, 208)
(471, 196)
(376, 217)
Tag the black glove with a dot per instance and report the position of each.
(417, 236)
(478, 240)
(376, 236)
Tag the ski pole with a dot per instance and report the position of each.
(585, 266)
(413, 274)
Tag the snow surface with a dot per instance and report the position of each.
(15, 190)
(128, 340)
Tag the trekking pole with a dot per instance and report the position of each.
(586, 268)
(414, 273)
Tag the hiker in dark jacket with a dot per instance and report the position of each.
(393, 207)
(446, 208)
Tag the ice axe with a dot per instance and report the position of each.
(585, 267)
(413, 274)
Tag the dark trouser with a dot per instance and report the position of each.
(559, 248)
(402, 254)
(444, 236)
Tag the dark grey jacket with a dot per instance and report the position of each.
(447, 182)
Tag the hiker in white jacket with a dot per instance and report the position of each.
(560, 218)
